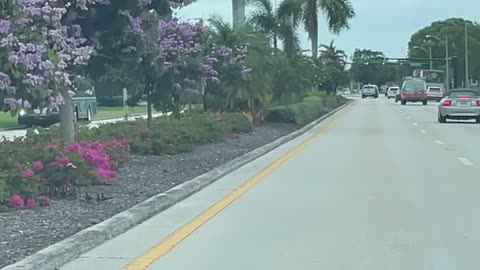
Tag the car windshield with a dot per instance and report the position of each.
(414, 86)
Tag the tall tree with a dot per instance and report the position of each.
(338, 14)
(368, 67)
(453, 29)
(238, 12)
(278, 23)
(333, 62)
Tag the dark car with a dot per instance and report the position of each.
(84, 108)
(413, 91)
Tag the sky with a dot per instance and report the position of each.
(384, 25)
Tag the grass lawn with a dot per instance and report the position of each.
(117, 112)
(7, 121)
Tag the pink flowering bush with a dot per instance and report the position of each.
(24, 185)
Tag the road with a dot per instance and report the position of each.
(381, 186)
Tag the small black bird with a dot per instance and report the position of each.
(88, 198)
(103, 198)
(55, 178)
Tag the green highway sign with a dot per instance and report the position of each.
(415, 64)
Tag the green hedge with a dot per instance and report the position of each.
(299, 113)
(314, 105)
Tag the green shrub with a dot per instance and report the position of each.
(331, 102)
(166, 135)
(115, 101)
(321, 94)
(300, 113)
(237, 122)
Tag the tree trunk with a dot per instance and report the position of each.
(275, 41)
(149, 106)
(314, 41)
(66, 119)
(238, 12)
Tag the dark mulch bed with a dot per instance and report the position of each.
(25, 232)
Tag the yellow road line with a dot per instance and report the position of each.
(144, 261)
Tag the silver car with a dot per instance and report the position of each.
(392, 91)
(370, 90)
(460, 104)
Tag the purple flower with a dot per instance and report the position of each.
(5, 26)
(4, 81)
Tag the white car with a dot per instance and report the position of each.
(370, 90)
(392, 91)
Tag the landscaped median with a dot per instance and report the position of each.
(50, 192)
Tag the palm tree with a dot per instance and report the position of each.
(238, 12)
(337, 12)
(279, 23)
(333, 62)
(330, 53)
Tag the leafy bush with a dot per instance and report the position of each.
(99, 153)
(300, 113)
(115, 101)
(321, 94)
(237, 122)
(26, 175)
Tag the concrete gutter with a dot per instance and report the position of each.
(57, 255)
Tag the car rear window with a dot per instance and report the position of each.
(463, 93)
(414, 86)
(393, 88)
(369, 87)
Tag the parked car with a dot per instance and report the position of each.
(460, 104)
(414, 90)
(392, 91)
(84, 108)
(434, 93)
(370, 91)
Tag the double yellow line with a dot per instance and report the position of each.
(144, 261)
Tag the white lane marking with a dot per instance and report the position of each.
(423, 131)
(465, 161)
(439, 142)
(415, 123)
(408, 118)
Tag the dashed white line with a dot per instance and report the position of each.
(439, 142)
(415, 123)
(423, 131)
(465, 161)
(408, 118)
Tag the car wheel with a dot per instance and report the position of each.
(404, 102)
(29, 125)
(477, 120)
(441, 119)
(89, 115)
(424, 103)
(363, 96)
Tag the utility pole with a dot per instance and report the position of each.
(447, 65)
(467, 78)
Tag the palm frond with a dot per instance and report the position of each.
(338, 14)
(263, 5)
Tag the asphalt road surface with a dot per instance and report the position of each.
(380, 187)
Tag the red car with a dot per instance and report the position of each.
(414, 91)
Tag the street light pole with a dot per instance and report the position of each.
(467, 77)
(430, 54)
(447, 65)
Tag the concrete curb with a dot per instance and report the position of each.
(57, 255)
